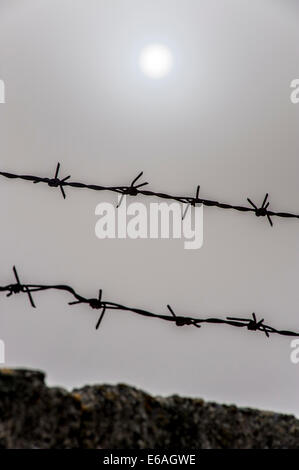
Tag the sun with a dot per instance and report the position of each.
(156, 61)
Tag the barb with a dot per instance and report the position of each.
(134, 190)
(251, 324)
(181, 321)
(262, 211)
(192, 202)
(18, 287)
(55, 182)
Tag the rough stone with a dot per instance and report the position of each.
(33, 415)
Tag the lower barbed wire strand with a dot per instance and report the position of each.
(251, 324)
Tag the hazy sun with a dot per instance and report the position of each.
(156, 60)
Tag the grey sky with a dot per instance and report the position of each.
(222, 119)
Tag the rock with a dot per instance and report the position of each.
(33, 415)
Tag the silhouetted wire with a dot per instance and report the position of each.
(98, 303)
(134, 189)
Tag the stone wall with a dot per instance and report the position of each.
(33, 415)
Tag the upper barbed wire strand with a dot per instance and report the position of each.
(134, 190)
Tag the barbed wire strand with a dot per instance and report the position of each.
(135, 189)
(97, 303)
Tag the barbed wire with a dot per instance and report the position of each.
(135, 189)
(97, 303)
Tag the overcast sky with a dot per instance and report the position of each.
(223, 119)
